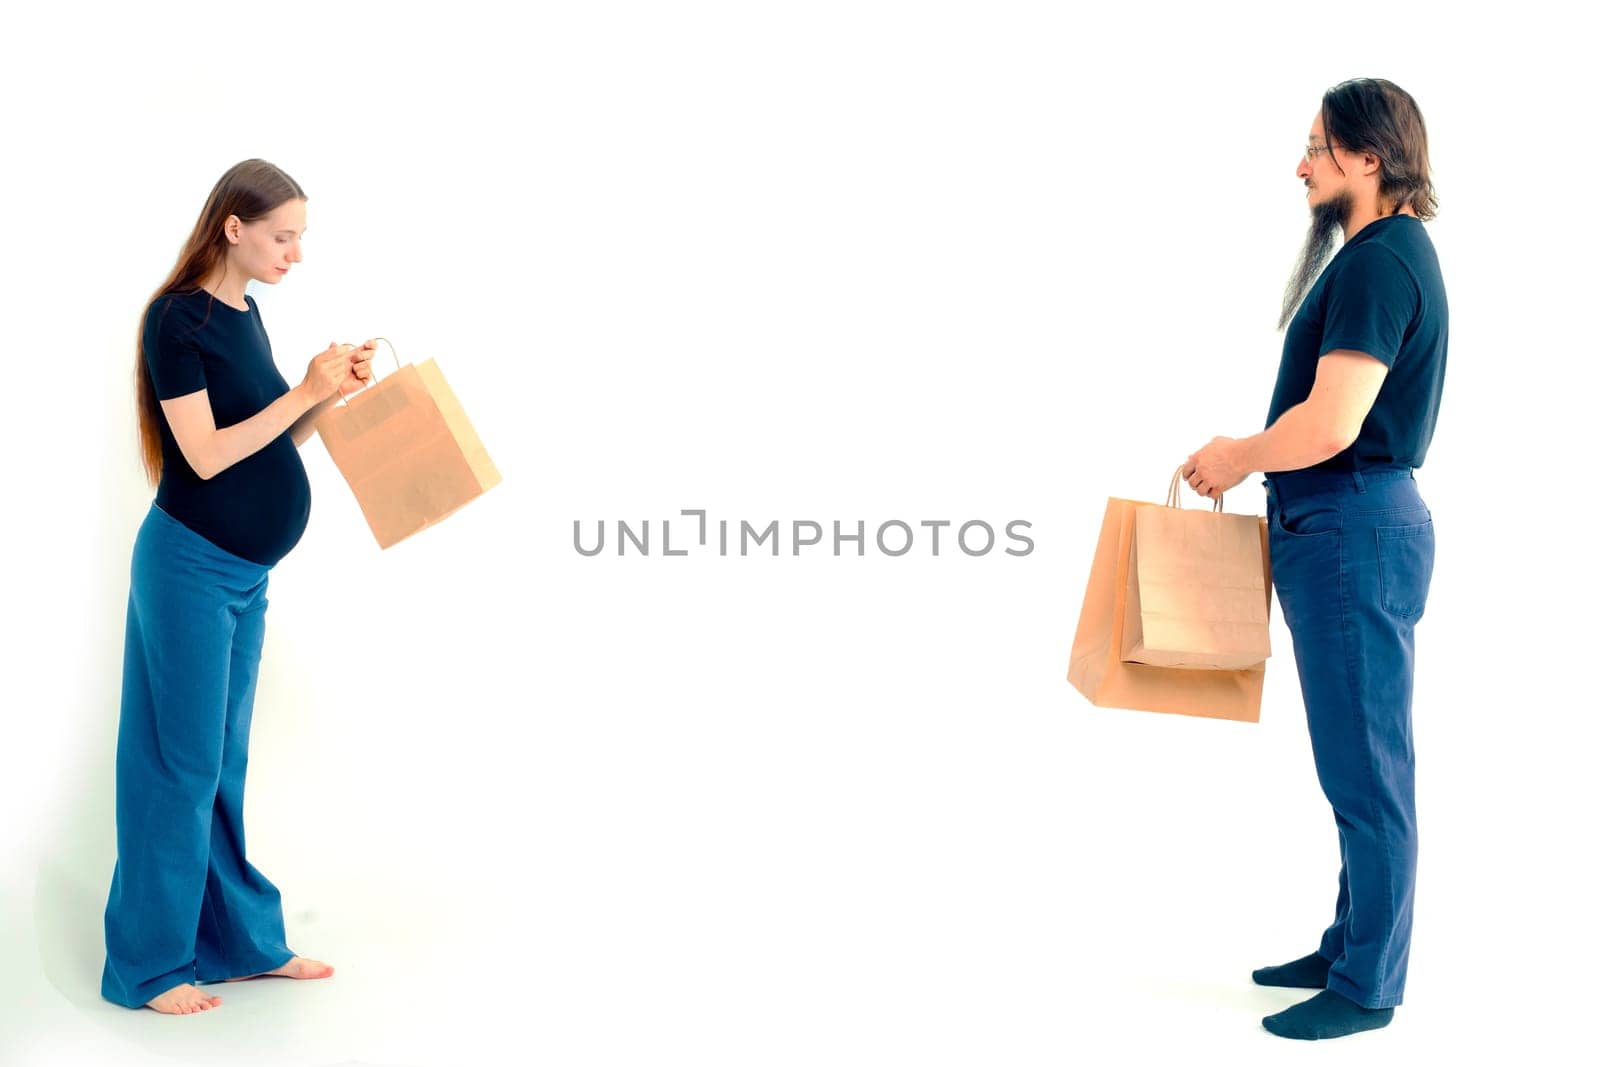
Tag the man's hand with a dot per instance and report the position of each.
(1216, 468)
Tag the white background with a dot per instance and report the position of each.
(821, 261)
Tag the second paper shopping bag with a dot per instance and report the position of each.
(407, 450)
(1097, 669)
(1197, 589)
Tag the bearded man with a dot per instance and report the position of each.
(1351, 540)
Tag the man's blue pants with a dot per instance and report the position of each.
(1352, 557)
(185, 905)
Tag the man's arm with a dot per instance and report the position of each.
(1318, 428)
(1323, 424)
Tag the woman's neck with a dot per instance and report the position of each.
(227, 287)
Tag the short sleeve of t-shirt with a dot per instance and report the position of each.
(1370, 305)
(171, 351)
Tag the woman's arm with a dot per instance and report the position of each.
(211, 451)
(302, 429)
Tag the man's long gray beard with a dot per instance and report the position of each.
(1322, 241)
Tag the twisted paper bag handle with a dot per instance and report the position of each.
(1172, 492)
(374, 380)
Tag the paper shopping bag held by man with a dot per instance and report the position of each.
(1197, 589)
(1097, 668)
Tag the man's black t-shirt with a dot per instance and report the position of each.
(256, 509)
(1382, 294)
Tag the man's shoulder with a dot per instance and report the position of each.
(1394, 245)
(1406, 238)
(1375, 259)
(1409, 244)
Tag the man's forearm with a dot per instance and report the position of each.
(1301, 437)
(302, 429)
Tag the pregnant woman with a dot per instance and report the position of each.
(220, 430)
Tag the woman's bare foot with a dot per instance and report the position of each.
(184, 1000)
(297, 967)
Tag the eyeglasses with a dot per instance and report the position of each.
(1312, 150)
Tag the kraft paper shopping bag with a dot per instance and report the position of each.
(1096, 668)
(1197, 597)
(405, 446)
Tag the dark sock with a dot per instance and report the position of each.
(1307, 972)
(1326, 1015)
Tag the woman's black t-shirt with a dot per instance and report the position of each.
(256, 509)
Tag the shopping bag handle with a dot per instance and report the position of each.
(1172, 492)
(364, 388)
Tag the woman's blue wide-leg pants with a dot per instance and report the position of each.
(1352, 558)
(185, 905)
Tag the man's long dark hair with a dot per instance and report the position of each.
(1377, 116)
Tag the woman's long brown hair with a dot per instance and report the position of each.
(250, 190)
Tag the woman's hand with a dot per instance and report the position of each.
(360, 375)
(327, 371)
